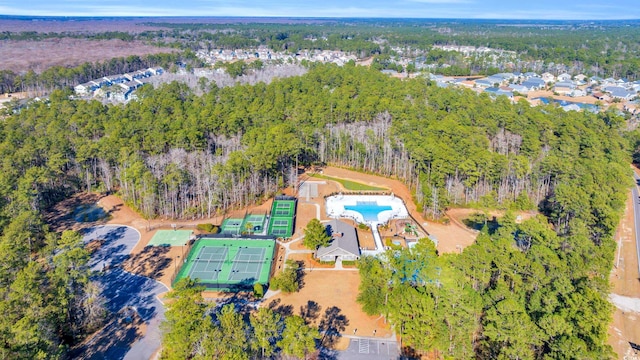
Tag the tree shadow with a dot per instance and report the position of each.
(151, 262)
(283, 310)
(300, 274)
(113, 341)
(478, 220)
(327, 354)
(333, 322)
(310, 312)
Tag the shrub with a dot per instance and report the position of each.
(258, 290)
(208, 228)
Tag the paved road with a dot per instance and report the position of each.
(636, 215)
(368, 349)
(118, 243)
(122, 289)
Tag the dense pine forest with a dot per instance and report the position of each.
(529, 291)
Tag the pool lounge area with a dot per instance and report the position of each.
(367, 209)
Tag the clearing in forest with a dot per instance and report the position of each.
(348, 184)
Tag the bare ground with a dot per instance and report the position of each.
(328, 289)
(20, 56)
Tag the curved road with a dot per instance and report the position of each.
(122, 289)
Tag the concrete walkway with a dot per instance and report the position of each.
(122, 289)
(625, 303)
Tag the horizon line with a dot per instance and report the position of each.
(4, 16)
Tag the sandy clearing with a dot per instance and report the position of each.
(333, 288)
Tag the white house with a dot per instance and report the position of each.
(578, 92)
(156, 70)
(519, 88)
(564, 77)
(86, 88)
(548, 77)
(344, 243)
(82, 89)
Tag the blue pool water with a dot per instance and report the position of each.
(368, 209)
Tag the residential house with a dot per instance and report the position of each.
(484, 83)
(564, 77)
(601, 96)
(115, 79)
(564, 87)
(595, 80)
(578, 92)
(534, 83)
(87, 88)
(619, 92)
(496, 79)
(82, 89)
(519, 88)
(548, 77)
(343, 245)
(498, 91)
(156, 70)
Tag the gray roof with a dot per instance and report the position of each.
(495, 79)
(484, 82)
(618, 91)
(566, 84)
(344, 240)
(534, 82)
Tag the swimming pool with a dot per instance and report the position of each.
(368, 209)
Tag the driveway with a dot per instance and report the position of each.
(122, 289)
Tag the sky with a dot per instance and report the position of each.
(467, 9)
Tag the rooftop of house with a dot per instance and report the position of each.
(343, 237)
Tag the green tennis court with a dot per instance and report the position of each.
(284, 208)
(170, 238)
(232, 226)
(283, 212)
(254, 223)
(281, 227)
(229, 264)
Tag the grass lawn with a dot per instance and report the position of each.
(348, 184)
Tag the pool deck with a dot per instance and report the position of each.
(335, 206)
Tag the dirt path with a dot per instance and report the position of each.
(625, 326)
